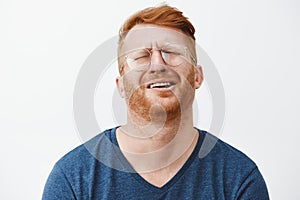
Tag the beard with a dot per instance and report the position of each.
(149, 110)
(167, 107)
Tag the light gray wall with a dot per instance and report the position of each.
(43, 44)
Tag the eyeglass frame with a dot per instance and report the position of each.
(150, 51)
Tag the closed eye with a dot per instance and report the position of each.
(141, 57)
(170, 52)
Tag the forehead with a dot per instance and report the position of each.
(149, 36)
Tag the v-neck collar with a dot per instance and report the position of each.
(145, 183)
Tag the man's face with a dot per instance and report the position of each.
(158, 87)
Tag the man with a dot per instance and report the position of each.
(155, 155)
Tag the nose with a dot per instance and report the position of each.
(157, 62)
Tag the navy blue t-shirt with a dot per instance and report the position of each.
(98, 170)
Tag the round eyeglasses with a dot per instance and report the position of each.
(172, 55)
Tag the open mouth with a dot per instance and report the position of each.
(160, 85)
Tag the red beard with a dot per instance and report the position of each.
(144, 108)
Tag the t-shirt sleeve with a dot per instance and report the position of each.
(253, 188)
(57, 186)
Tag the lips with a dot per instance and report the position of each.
(160, 84)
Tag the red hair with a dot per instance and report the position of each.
(163, 15)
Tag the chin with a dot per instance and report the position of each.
(154, 106)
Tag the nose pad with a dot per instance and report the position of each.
(157, 62)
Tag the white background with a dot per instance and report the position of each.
(253, 43)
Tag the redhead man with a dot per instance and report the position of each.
(156, 154)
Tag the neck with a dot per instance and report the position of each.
(157, 144)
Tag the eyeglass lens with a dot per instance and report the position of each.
(171, 55)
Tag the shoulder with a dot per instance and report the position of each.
(213, 147)
(74, 173)
(231, 169)
(86, 153)
(218, 157)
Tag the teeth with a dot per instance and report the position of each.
(160, 85)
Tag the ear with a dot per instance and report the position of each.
(120, 85)
(198, 76)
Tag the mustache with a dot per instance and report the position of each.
(150, 77)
